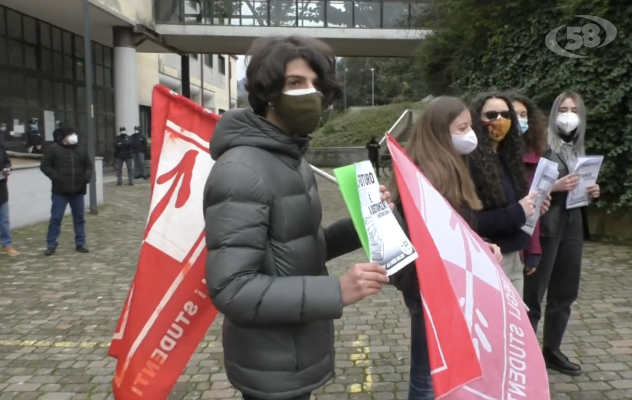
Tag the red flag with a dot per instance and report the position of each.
(168, 311)
(481, 344)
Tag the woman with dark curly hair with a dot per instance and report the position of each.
(533, 126)
(498, 172)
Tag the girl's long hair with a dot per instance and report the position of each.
(536, 136)
(488, 179)
(430, 148)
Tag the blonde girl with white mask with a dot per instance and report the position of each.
(561, 234)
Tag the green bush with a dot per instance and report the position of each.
(512, 55)
(356, 128)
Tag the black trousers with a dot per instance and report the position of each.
(376, 165)
(558, 275)
(302, 397)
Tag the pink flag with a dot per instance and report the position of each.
(492, 318)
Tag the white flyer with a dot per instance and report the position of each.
(389, 246)
(546, 174)
(587, 170)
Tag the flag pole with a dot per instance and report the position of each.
(324, 174)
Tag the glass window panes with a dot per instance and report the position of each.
(58, 64)
(5, 87)
(29, 27)
(48, 95)
(107, 57)
(80, 70)
(44, 34)
(99, 74)
(30, 59)
(3, 51)
(98, 53)
(47, 60)
(79, 47)
(3, 27)
(81, 98)
(32, 92)
(109, 101)
(81, 122)
(56, 38)
(70, 98)
(16, 53)
(59, 96)
(17, 90)
(14, 24)
(68, 67)
(107, 74)
(221, 63)
(100, 120)
(69, 120)
(67, 38)
(100, 108)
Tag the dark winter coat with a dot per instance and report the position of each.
(4, 163)
(68, 167)
(123, 147)
(267, 250)
(139, 143)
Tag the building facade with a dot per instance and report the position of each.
(42, 73)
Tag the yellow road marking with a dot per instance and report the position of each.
(362, 360)
(50, 343)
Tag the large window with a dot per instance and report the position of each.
(42, 74)
(208, 60)
(221, 64)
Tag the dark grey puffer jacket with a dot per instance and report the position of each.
(265, 268)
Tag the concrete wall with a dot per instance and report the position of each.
(135, 11)
(147, 76)
(215, 84)
(30, 194)
(332, 157)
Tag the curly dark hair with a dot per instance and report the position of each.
(268, 57)
(536, 136)
(488, 176)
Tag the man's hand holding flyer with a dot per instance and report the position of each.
(383, 239)
(587, 170)
(545, 176)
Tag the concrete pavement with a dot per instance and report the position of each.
(57, 315)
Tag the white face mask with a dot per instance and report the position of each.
(72, 139)
(465, 144)
(567, 122)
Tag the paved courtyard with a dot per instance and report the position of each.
(57, 316)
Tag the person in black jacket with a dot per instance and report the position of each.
(374, 154)
(140, 148)
(34, 137)
(69, 168)
(124, 154)
(267, 250)
(5, 226)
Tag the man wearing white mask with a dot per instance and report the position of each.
(69, 168)
(561, 234)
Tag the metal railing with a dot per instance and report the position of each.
(371, 14)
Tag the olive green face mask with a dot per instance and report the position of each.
(300, 110)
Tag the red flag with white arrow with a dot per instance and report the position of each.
(481, 344)
(168, 310)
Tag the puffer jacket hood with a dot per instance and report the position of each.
(242, 127)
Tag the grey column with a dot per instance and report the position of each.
(125, 82)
